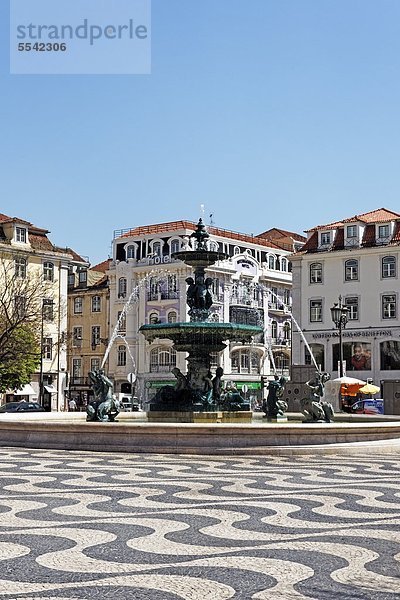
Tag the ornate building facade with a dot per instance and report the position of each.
(253, 286)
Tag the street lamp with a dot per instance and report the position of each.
(339, 317)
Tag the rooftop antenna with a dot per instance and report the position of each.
(211, 218)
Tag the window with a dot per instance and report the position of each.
(20, 267)
(351, 270)
(121, 356)
(236, 250)
(130, 252)
(286, 331)
(284, 264)
(157, 248)
(271, 261)
(94, 364)
(245, 361)
(78, 305)
(389, 306)
(162, 359)
(47, 348)
(274, 330)
(172, 317)
(76, 367)
(390, 355)
(71, 277)
(20, 306)
(122, 287)
(172, 286)
(351, 231)
(82, 276)
(351, 303)
(286, 297)
(318, 352)
(325, 238)
(315, 311)
(48, 271)
(383, 231)
(121, 321)
(96, 304)
(316, 272)
(48, 310)
(388, 266)
(20, 234)
(153, 318)
(77, 336)
(174, 246)
(95, 335)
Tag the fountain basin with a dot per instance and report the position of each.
(71, 432)
(206, 334)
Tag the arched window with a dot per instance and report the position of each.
(162, 359)
(48, 271)
(236, 250)
(388, 266)
(351, 270)
(284, 264)
(157, 248)
(175, 246)
(122, 287)
(130, 251)
(153, 318)
(172, 316)
(271, 261)
(121, 356)
(316, 272)
(274, 330)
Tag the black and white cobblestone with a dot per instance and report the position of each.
(82, 526)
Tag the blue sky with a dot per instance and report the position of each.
(270, 113)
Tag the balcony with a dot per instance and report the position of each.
(158, 296)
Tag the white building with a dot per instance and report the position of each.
(143, 266)
(27, 254)
(358, 259)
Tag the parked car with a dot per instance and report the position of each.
(128, 405)
(21, 407)
(368, 406)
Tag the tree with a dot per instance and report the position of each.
(24, 297)
(20, 358)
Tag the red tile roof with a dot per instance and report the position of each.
(338, 243)
(380, 215)
(275, 232)
(164, 228)
(311, 244)
(102, 267)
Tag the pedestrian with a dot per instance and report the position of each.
(72, 405)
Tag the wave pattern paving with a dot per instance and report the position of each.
(82, 526)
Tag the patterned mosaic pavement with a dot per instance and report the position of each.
(89, 526)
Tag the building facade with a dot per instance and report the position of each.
(147, 285)
(357, 259)
(88, 327)
(40, 269)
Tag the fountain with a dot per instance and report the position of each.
(196, 391)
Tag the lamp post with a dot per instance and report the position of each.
(339, 317)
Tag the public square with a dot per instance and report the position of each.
(131, 527)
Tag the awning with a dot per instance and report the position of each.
(50, 388)
(27, 390)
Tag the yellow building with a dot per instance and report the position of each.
(88, 327)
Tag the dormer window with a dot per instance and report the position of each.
(20, 235)
(325, 238)
(383, 233)
(351, 231)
